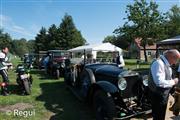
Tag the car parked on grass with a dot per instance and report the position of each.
(114, 93)
(57, 62)
(39, 57)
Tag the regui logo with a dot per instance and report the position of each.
(24, 113)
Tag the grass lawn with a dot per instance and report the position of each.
(50, 99)
(132, 64)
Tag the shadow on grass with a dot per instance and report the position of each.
(61, 103)
(14, 89)
(37, 71)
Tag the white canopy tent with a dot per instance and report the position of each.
(93, 49)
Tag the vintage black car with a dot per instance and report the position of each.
(57, 62)
(39, 59)
(114, 93)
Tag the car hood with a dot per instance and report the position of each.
(110, 70)
(59, 59)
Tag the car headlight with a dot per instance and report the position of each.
(122, 83)
(145, 80)
(62, 65)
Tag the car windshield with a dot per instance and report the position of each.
(59, 54)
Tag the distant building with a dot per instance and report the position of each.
(150, 51)
(136, 51)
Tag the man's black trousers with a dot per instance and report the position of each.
(159, 103)
(4, 75)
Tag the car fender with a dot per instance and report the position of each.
(101, 85)
(107, 86)
(91, 75)
(86, 83)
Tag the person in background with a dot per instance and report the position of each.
(46, 62)
(119, 60)
(179, 70)
(4, 64)
(90, 59)
(160, 82)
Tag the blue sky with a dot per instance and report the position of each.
(94, 18)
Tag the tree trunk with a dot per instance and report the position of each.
(145, 55)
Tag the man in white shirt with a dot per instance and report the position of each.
(3, 70)
(160, 82)
(119, 60)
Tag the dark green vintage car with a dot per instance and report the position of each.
(114, 93)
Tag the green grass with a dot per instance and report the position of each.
(132, 64)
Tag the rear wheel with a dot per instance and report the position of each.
(27, 87)
(104, 106)
(57, 74)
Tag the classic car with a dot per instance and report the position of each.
(39, 57)
(114, 93)
(57, 62)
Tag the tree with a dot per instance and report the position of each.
(122, 42)
(31, 45)
(119, 41)
(5, 39)
(173, 22)
(65, 36)
(68, 35)
(41, 40)
(20, 47)
(53, 37)
(110, 39)
(144, 21)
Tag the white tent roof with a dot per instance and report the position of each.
(105, 47)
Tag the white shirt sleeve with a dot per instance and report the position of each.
(2, 55)
(158, 74)
(121, 61)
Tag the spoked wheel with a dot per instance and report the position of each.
(104, 106)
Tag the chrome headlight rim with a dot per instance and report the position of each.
(122, 83)
(63, 65)
(145, 80)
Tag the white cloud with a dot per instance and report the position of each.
(18, 27)
(34, 28)
(7, 23)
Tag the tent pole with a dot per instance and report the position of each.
(84, 56)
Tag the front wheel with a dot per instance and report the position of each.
(104, 106)
(27, 87)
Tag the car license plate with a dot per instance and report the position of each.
(24, 76)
